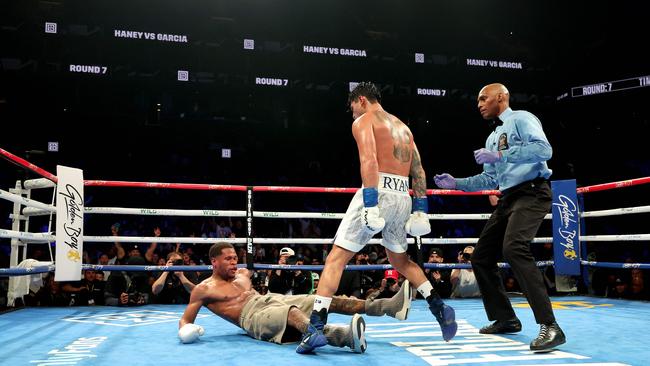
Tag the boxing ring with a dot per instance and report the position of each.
(599, 331)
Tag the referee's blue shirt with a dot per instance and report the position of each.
(524, 149)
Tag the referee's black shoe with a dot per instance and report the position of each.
(502, 326)
(550, 336)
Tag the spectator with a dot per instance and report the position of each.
(280, 281)
(86, 292)
(390, 285)
(351, 281)
(259, 253)
(117, 251)
(241, 255)
(440, 278)
(223, 230)
(610, 286)
(174, 288)
(150, 256)
(50, 294)
(463, 281)
(494, 200)
(301, 283)
(315, 277)
(620, 290)
(99, 276)
(292, 282)
(637, 290)
(368, 280)
(511, 285)
(260, 281)
(238, 229)
(128, 288)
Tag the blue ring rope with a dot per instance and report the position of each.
(369, 267)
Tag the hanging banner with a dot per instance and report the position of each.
(69, 223)
(566, 230)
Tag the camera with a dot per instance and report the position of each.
(259, 278)
(466, 256)
(136, 298)
(178, 262)
(390, 282)
(291, 260)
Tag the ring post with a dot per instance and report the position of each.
(566, 234)
(249, 227)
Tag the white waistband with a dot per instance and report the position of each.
(391, 183)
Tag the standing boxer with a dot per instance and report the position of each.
(388, 156)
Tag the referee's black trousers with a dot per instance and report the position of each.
(509, 231)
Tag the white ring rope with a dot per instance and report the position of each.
(459, 216)
(617, 211)
(145, 212)
(25, 236)
(45, 237)
(38, 183)
(627, 237)
(163, 212)
(16, 198)
(167, 239)
(35, 208)
(297, 215)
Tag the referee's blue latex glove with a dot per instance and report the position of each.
(445, 181)
(485, 156)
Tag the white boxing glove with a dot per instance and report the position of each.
(374, 223)
(418, 224)
(190, 332)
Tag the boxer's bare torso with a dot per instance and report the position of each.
(384, 138)
(225, 293)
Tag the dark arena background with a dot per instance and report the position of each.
(254, 93)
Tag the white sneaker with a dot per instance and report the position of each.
(358, 342)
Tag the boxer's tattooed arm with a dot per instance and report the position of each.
(417, 175)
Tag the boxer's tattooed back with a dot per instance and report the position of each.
(401, 137)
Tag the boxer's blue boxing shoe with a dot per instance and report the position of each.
(313, 337)
(445, 315)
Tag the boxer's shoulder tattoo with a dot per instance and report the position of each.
(401, 143)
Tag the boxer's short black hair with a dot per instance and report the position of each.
(365, 89)
(216, 249)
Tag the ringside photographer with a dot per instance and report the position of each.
(463, 280)
(173, 287)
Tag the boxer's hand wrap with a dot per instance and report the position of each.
(370, 215)
(418, 224)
